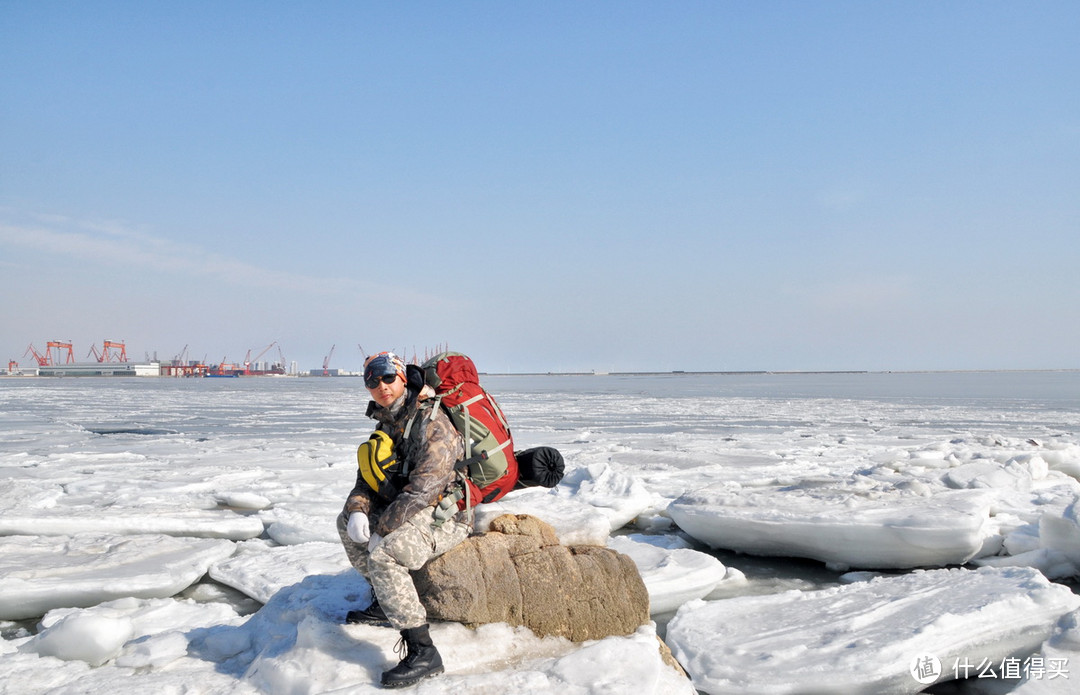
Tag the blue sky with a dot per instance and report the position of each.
(548, 186)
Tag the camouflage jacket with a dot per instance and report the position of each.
(432, 448)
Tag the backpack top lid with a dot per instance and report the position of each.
(445, 371)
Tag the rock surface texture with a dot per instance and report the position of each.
(519, 573)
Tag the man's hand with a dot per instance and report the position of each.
(357, 528)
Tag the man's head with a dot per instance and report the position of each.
(384, 377)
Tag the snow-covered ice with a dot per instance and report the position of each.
(193, 524)
(863, 637)
(260, 570)
(41, 573)
(842, 522)
(178, 535)
(672, 575)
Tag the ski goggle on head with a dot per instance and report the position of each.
(384, 367)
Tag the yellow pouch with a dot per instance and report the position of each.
(377, 461)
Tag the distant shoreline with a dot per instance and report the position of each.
(676, 372)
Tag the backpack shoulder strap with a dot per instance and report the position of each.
(427, 407)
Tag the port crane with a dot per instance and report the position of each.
(60, 346)
(248, 361)
(46, 360)
(223, 368)
(42, 360)
(105, 356)
(326, 361)
(110, 344)
(181, 365)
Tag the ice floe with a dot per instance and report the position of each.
(868, 636)
(38, 573)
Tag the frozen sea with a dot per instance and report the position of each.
(798, 533)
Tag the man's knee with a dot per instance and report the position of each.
(407, 547)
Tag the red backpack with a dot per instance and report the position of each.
(489, 465)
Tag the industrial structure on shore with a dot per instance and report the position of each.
(58, 359)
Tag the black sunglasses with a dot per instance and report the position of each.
(373, 381)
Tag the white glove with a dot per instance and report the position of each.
(358, 527)
(374, 542)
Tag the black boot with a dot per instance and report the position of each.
(372, 615)
(421, 659)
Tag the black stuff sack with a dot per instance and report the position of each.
(541, 466)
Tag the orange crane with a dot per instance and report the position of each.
(326, 361)
(104, 356)
(60, 345)
(122, 357)
(42, 360)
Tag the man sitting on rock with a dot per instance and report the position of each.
(392, 522)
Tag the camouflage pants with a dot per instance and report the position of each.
(409, 547)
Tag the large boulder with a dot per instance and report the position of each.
(519, 573)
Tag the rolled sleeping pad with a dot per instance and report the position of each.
(542, 466)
